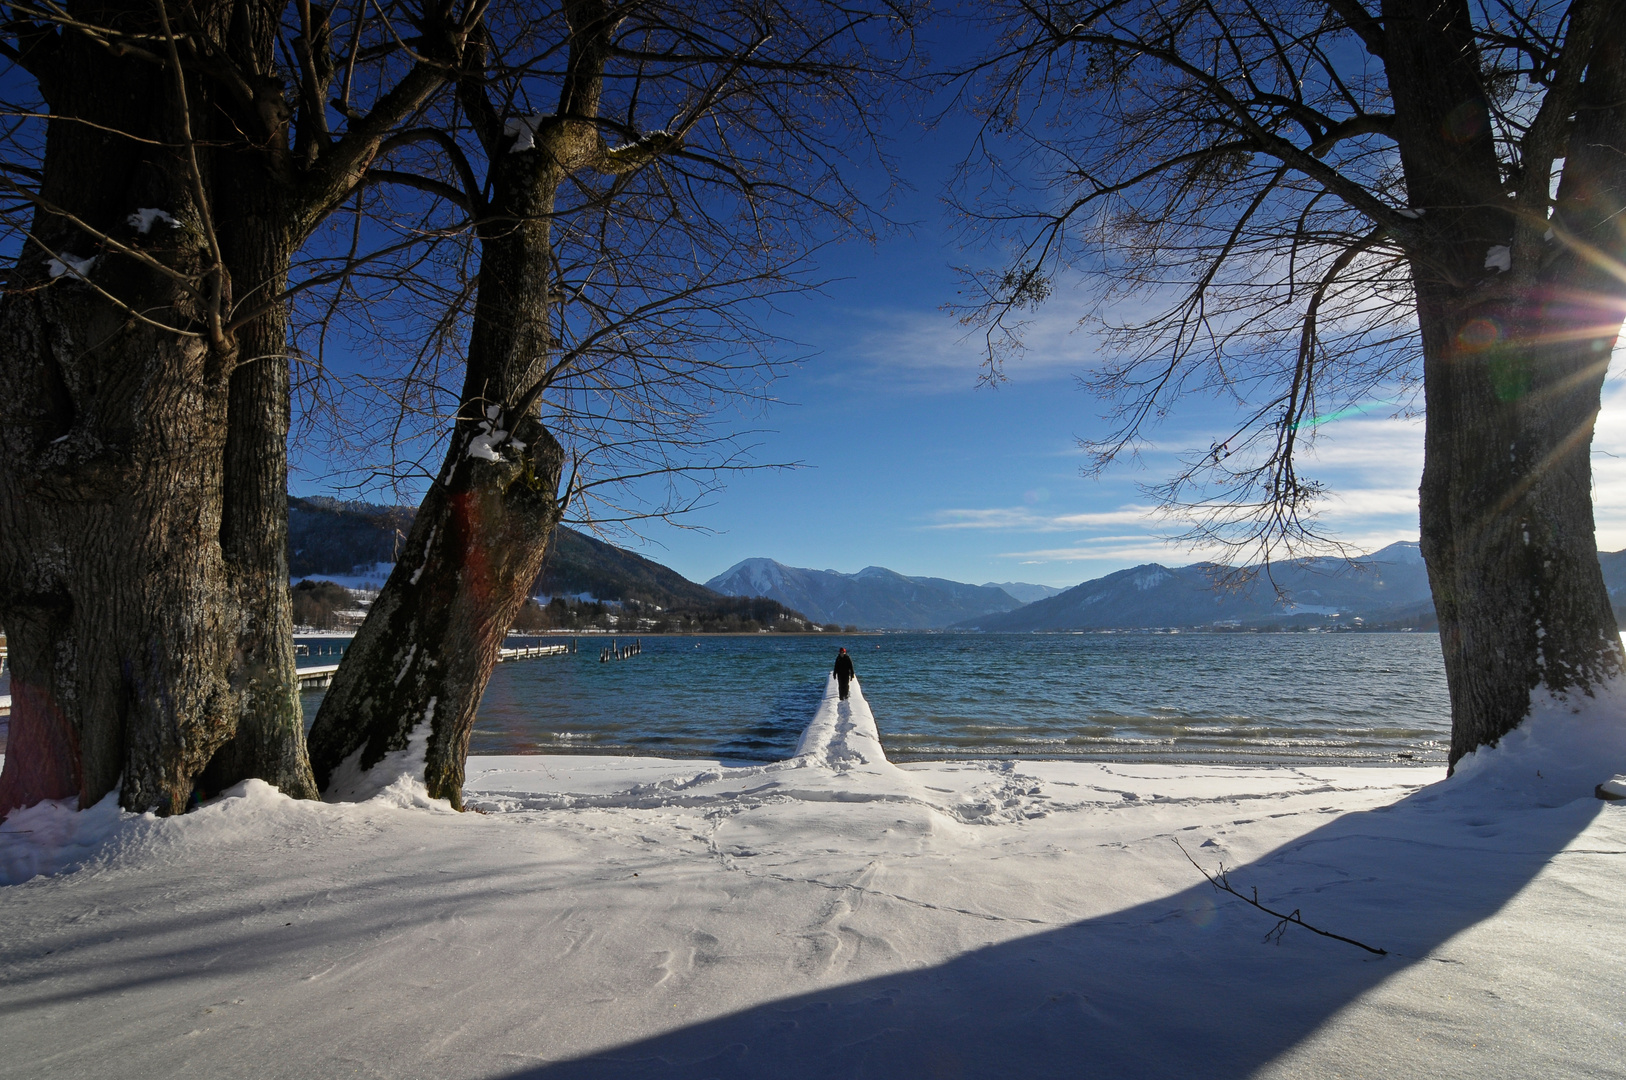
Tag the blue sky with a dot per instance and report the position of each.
(906, 463)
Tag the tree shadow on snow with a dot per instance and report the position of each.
(1179, 987)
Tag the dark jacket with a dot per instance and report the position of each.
(844, 666)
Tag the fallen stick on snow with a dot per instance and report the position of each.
(1223, 884)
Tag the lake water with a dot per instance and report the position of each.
(1219, 698)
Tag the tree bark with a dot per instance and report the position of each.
(258, 239)
(143, 466)
(420, 662)
(1514, 361)
(269, 741)
(111, 575)
(1506, 512)
(146, 569)
(425, 652)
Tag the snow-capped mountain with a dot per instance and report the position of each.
(1023, 591)
(1388, 585)
(873, 598)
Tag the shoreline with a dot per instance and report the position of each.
(831, 915)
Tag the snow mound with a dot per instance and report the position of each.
(838, 760)
(842, 734)
(1567, 744)
(53, 836)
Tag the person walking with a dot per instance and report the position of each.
(843, 672)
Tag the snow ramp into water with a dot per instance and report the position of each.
(838, 760)
(842, 734)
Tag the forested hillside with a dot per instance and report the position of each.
(591, 584)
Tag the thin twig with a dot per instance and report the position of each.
(1220, 882)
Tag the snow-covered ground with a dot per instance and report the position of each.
(363, 579)
(835, 915)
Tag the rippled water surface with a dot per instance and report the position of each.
(1289, 698)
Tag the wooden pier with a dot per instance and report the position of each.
(317, 678)
(321, 676)
(528, 651)
(618, 651)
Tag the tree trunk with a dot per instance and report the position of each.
(1506, 511)
(269, 743)
(258, 240)
(420, 662)
(144, 470)
(113, 451)
(1514, 359)
(111, 577)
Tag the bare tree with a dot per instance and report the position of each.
(1328, 201)
(173, 161)
(678, 173)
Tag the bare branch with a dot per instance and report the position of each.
(1222, 883)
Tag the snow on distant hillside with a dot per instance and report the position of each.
(1388, 585)
(1022, 590)
(873, 598)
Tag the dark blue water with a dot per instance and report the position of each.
(1221, 698)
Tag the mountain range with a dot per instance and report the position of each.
(873, 598)
(1386, 588)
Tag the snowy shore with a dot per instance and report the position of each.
(835, 915)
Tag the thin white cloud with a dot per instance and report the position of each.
(1363, 503)
(1148, 549)
(1027, 519)
(934, 351)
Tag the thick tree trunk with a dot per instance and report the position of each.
(111, 578)
(146, 577)
(258, 239)
(122, 607)
(418, 666)
(269, 743)
(1506, 511)
(1515, 349)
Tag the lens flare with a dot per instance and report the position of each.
(1465, 123)
(1202, 911)
(1479, 334)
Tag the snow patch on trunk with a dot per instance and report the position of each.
(427, 546)
(71, 265)
(397, 777)
(412, 650)
(486, 441)
(146, 217)
(523, 131)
